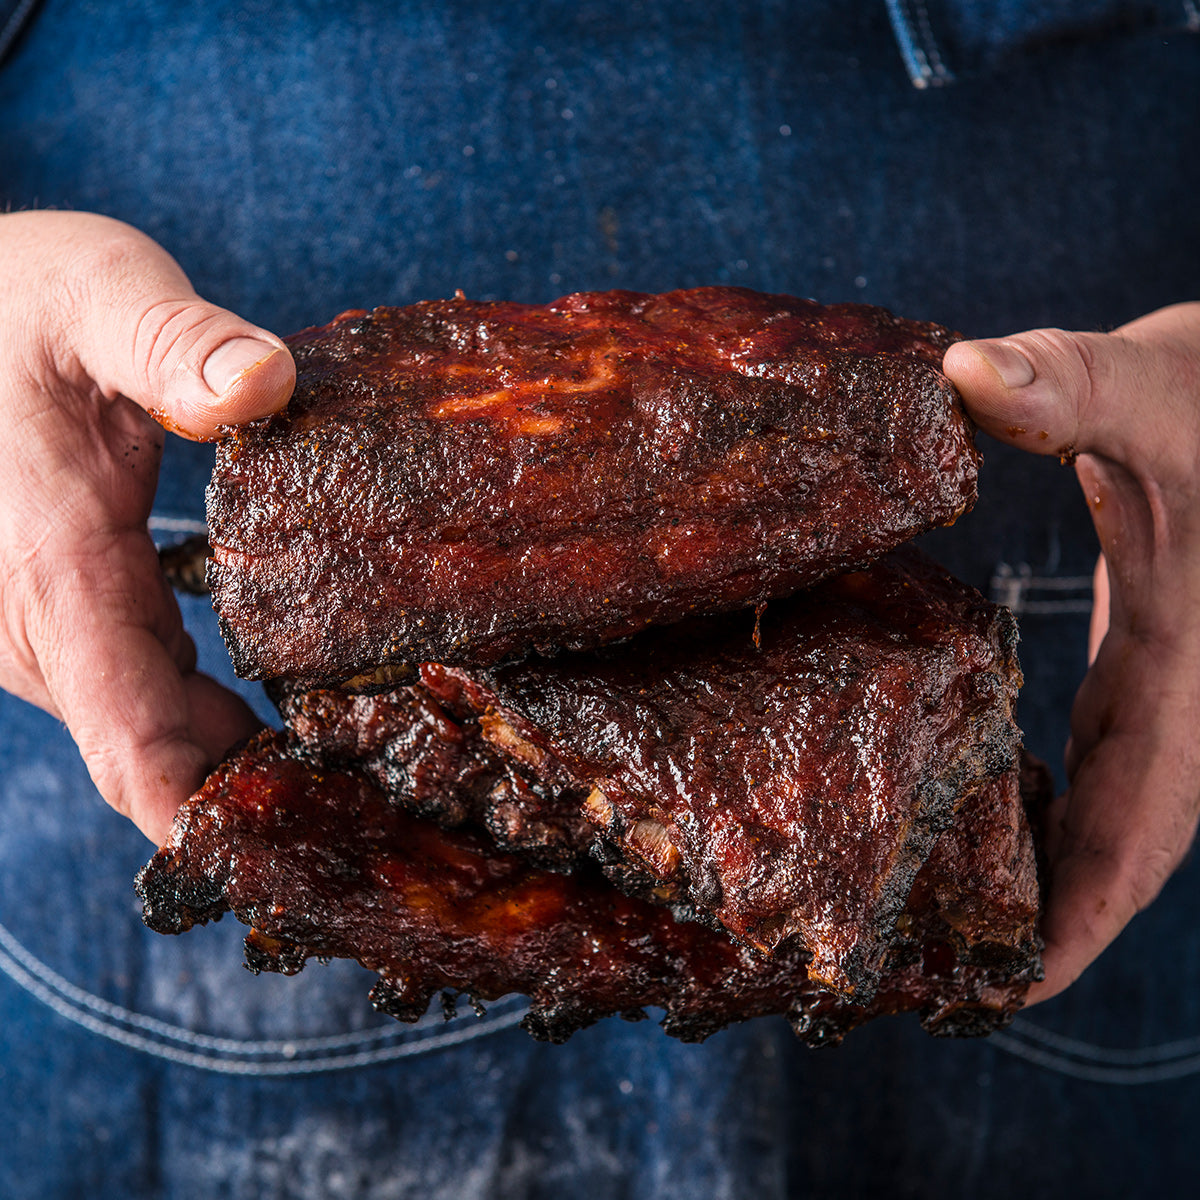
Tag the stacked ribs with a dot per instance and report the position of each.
(778, 770)
(461, 483)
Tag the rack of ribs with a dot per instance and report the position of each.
(464, 482)
(784, 774)
(815, 811)
(321, 863)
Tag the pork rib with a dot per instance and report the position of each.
(320, 862)
(436, 766)
(789, 786)
(465, 482)
(786, 774)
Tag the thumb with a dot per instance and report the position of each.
(1113, 395)
(138, 329)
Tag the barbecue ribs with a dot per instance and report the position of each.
(845, 765)
(813, 807)
(786, 773)
(466, 482)
(320, 862)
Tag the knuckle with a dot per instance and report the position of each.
(159, 329)
(106, 766)
(106, 265)
(1148, 871)
(123, 305)
(1074, 363)
(172, 337)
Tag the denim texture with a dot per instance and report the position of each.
(299, 161)
(941, 40)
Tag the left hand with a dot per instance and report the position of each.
(1128, 404)
(99, 330)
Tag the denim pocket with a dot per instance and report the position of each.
(941, 40)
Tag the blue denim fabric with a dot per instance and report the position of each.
(941, 40)
(298, 161)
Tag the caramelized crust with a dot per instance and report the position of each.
(437, 766)
(321, 863)
(786, 774)
(465, 482)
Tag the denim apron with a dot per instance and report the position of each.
(993, 166)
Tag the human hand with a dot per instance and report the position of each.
(1128, 404)
(98, 328)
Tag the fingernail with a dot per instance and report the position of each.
(1008, 361)
(232, 359)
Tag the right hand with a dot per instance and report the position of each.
(99, 327)
(1127, 403)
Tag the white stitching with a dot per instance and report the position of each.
(1122, 1076)
(240, 1057)
(1051, 583)
(940, 70)
(177, 525)
(105, 1010)
(1101, 1054)
(1012, 587)
(1055, 1052)
(918, 48)
(1044, 608)
(915, 62)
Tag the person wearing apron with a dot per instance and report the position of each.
(993, 167)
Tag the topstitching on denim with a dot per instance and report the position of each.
(918, 48)
(340, 1052)
(242, 1056)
